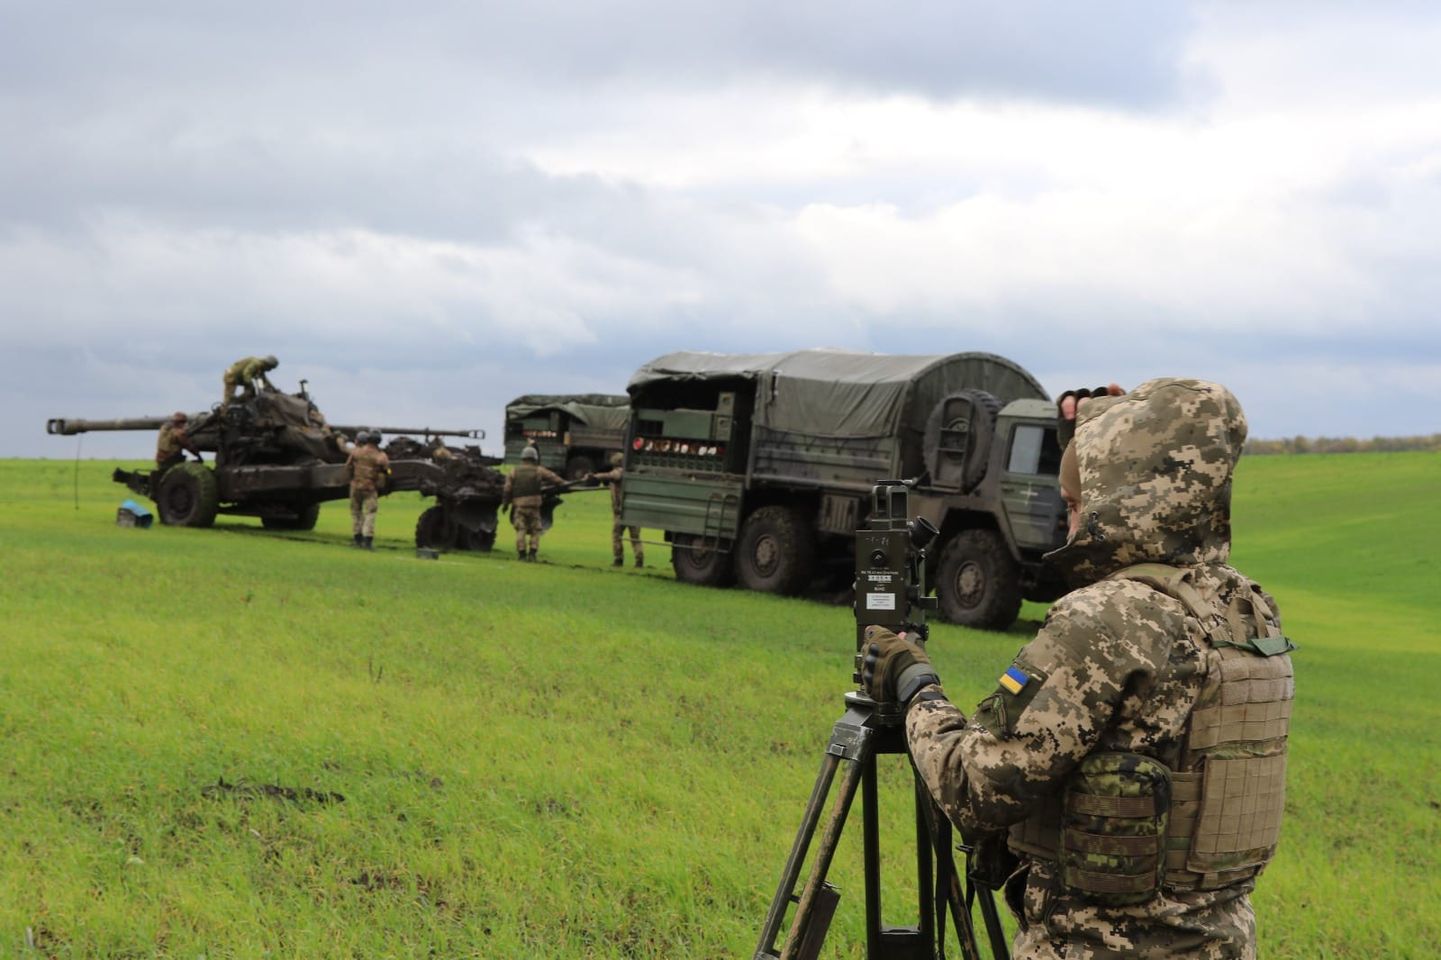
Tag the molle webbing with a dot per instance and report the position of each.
(1227, 789)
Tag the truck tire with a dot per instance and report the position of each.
(978, 582)
(707, 566)
(578, 466)
(304, 519)
(776, 551)
(436, 530)
(978, 418)
(188, 496)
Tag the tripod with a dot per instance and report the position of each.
(865, 731)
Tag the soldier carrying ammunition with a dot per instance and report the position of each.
(173, 441)
(368, 468)
(617, 529)
(524, 488)
(245, 377)
(1135, 750)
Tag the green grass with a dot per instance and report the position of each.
(564, 760)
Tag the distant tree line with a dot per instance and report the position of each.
(1344, 444)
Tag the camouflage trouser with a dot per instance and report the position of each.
(363, 506)
(617, 530)
(527, 525)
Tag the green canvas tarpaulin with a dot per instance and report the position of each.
(836, 393)
(600, 411)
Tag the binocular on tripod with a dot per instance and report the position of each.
(890, 591)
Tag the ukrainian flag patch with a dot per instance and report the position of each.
(1014, 679)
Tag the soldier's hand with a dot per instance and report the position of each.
(893, 668)
(1068, 405)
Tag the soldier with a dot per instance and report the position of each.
(523, 487)
(246, 376)
(173, 440)
(613, 477)
(368, 468)
(439, 451)
(1135, 750)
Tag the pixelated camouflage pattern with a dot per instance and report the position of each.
(1156, 469)
(1116, 666)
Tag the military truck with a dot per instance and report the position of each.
(575, 434)
(757, 468)
(273, 456)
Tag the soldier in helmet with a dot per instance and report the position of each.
(173, 441)
(523, 492)
(368, 468)
(617, 529)
(1134, 752)
(245, 377)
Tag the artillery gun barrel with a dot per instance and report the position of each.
(425, 431)
(68, 428)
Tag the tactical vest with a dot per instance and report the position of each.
(525, 481)
(1128, 825)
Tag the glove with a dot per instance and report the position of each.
(893, 669)
(1066, 413)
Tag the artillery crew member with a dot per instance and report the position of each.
(524, 488)
(173, 441)
(617, 529)
(1135, 750)
(245, 377)
(368, 468)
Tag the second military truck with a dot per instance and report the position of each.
(758, 467)
(574, 434)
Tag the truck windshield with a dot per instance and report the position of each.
(1034, 449)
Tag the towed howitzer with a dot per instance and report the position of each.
(275, 457)
(469, 496)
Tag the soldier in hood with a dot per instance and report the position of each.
(1131, 761)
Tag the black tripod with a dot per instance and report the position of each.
(866, 731)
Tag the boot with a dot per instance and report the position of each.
(520, 552)
(639, 562)
(368, 543)
(532, 554)
(357, 540)
(618, 562)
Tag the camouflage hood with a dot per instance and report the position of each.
(1156, 468)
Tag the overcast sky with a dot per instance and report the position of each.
(426, 209)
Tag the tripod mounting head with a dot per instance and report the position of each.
(890, 584)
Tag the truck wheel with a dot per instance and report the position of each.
(578, 466)
(188, 496)
(776, 551)
(436, 530)
(978, 583)
(304, 519)
(704, 565)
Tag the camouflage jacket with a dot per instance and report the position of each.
(613, 477)
(524, 484)
(171, 441)
(1117, 665)
(247, 369)
(368, 467)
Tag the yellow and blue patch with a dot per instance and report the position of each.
(1014, 679)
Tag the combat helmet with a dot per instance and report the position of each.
(530, 453)
(270, 361)
(617, 458)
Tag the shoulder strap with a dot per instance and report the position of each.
(1223, 625)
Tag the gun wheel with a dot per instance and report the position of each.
(436, 530)
(188, 496)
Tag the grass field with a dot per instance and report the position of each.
(494, 759)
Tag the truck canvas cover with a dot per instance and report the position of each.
(843, 394)
(599, 411)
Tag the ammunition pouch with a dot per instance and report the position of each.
(1113, 828)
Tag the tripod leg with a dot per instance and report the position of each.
(771, 928)
(826, 851)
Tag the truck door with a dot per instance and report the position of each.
(1030, 487)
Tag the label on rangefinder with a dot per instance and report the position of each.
(880, 601)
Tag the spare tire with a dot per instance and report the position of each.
(958, 438)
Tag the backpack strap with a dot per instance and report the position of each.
(1225, 627)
